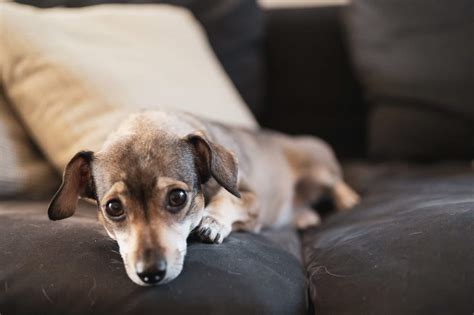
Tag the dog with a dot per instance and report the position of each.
(163, 175)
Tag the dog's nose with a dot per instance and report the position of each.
(152, 272)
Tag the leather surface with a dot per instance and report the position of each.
(72, 267)
(311, 84)
(406, 249)
(415, 61)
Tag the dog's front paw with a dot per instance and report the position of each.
(212, 231)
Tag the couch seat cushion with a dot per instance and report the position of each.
(72, 267)
(406, 249)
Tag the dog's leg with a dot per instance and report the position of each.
(344, 197)
(317, 168)
(225, 213)
(305, 218)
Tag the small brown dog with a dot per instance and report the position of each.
(163, 175)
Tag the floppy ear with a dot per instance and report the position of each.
(214, 160)
(77, 182)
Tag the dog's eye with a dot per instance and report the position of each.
(176, 199)
(114, 208)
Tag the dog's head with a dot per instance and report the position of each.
(148, 186)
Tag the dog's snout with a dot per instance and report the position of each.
(153, 273)
(151, 268)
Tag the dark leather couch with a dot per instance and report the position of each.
(406, 249)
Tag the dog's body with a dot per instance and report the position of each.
(162, 175)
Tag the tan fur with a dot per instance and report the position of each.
(235, 179)
(344, 197)
(225, 213)
(305, 218)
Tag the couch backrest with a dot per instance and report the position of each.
(311, 86)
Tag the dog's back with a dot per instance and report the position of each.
(275, 166)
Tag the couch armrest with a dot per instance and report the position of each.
(311, 87)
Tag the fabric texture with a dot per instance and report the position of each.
(415, 61)
(72, 267)
(23, 170)
(235, 30)
(406, 249)
(74, 84)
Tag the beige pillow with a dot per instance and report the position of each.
(73, 74)
(23, 172)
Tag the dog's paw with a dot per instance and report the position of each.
(345, 197)
(348, 201)
(212, 231)
(306, 218)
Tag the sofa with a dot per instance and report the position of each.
(389, 85)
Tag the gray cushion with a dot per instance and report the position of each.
(72, 267)
(406, 249)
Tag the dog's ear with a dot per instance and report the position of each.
(214, 160)
(77, 182)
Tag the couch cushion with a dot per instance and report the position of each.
(72, 267)
(235, 32)
(309, 76)
(74, 84)
(415, 61)
(406, 249)
(24, 171)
